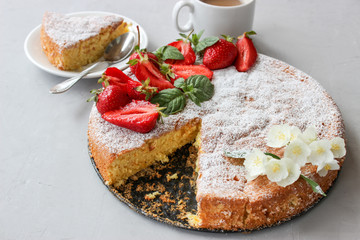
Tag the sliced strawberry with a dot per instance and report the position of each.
(111, 98)
(146, 67)
(114, 76)
(247, 53)
(220, 55)
(185, 71)
(115, 72)
(186, 50)
(140, 90)
(139, 116)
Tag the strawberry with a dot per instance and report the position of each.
(185, 71)
(111, 98)
(140, 90)
(114, 76)
(220, 55)
(144, 66)
(184, 46)
(247, 53)
(139, 116)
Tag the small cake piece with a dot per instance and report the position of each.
(71, 42)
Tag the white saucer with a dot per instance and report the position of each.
(34, 51)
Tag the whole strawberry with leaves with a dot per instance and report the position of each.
(221, 54)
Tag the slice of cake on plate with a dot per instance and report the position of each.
(70, 42)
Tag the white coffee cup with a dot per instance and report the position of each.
(216, 20)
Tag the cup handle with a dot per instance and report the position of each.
(175, 15)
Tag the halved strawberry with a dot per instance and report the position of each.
(185, 71)
(184, 46)
(114, 76)
(220, 55)
(140, 90)
(247, 53)
(139, 116)
(144, 66)
(111, 98)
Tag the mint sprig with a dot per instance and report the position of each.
(197, 88)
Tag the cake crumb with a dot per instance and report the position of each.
(193, 220)
(171, 177)
(152, 196)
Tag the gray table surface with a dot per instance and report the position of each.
(48, 187)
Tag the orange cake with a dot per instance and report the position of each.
(239, 115)
(70, 42)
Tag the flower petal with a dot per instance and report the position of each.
(278, 136)
(338, 147)
(320, 152)
(298, 151)
(276, 170)
(293, 170)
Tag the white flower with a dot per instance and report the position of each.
(298, 151)
(324, 167)
(293, 172)
(309, 135)
(278, 136)
(276, 170)
(254, 164)
(338, 147)
(320, 152)
(294, 133)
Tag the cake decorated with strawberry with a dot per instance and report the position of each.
(270, 139)
(71, 42)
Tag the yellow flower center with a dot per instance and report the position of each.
(327, 167)
(281, 136)
(257, 161)
(320, 150)
(335, 147)
(275, 167)
(297, 150)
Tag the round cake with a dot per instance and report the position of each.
(239, 115)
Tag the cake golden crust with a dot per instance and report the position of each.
(244, 107)
(72, 42)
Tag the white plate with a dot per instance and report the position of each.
(34, 51)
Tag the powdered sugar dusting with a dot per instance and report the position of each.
(239, 115)
(66, 31)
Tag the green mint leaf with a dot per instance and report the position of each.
(315, 187)
(168, 52)
(200, 87)
(207, 42)
(193, 98)
(272, 155)
(237, 154)
(172, 98)
(180, 83)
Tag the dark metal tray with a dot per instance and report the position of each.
(177, 196)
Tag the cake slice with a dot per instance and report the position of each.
(70, 42)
